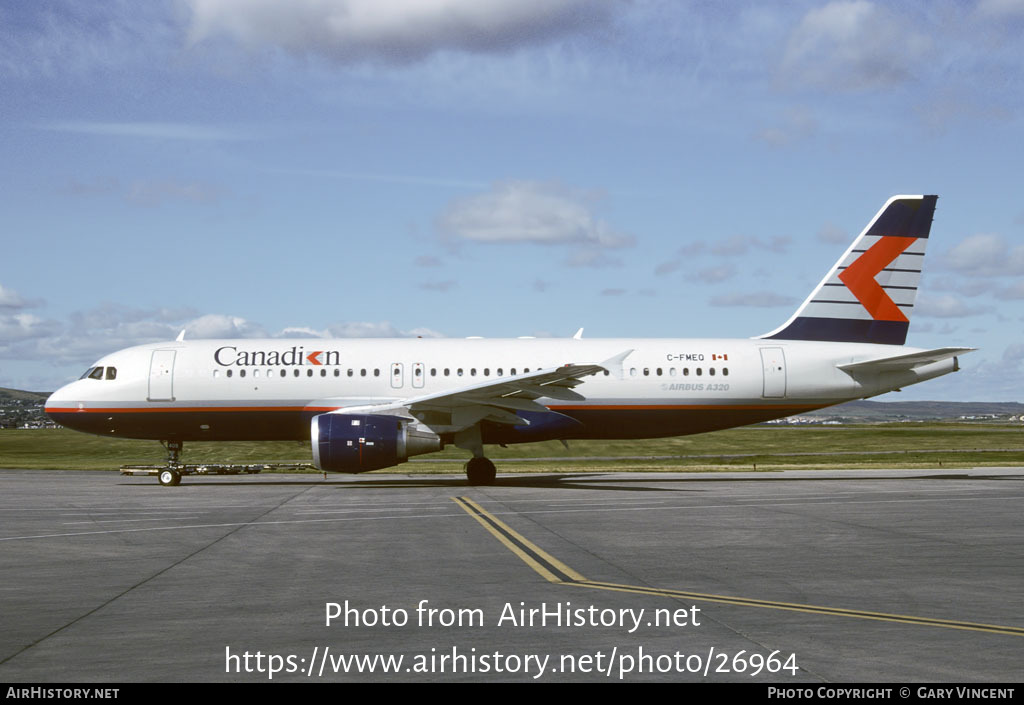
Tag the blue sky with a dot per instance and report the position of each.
(498, 168)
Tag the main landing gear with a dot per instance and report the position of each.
(480, 471)
(170, 476)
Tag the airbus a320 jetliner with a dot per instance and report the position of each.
(370, 404)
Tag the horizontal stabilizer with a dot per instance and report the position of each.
(908, 361)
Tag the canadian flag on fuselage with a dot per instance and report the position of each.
(868, 295)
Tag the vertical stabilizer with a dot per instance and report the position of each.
(868, 296)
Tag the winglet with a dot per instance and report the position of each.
(614, 364)
(579, 335)
(181, 336)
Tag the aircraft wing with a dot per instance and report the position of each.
(908, 361)
(494, 400)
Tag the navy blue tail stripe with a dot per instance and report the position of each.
(845, 330)
(906, 218)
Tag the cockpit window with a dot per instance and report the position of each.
(111, 373)
(96, 373)
(87, 373)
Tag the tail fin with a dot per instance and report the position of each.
(868, 295)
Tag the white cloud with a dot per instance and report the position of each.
(1000, 9)
(529, 211)
(215, 325)
(1013, 291)
(302, 332)
(383, 329)
(759, 299)
(986, 255)
(833, 234)
(427, 261)
(797, 124)
(149, 130)
(10, 299)
(713, 275)
(18, 327)
(668, 267)
(740, 244)
(91, 39)
(150, 193)
(591, 257)
(965, 287)
(853, 45)
(946, 306)
(396, 31)
(442, 286)
(155, 193)
(90, 334)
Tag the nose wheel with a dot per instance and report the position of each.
(169, 477)
(480, 471)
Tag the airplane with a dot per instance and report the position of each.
(367, 404)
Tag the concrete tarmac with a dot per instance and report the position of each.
(776, 577)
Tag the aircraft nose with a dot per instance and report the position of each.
(63, 404)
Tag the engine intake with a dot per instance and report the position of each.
(361, 442)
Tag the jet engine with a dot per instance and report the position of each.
(361, 442)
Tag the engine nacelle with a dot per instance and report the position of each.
(360, 442)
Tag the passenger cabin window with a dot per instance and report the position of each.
(228, 373)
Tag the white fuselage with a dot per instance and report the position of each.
(243, 389)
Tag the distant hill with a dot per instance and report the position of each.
(17, 394)
(918, 410)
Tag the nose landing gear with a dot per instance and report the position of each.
(171, 475)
